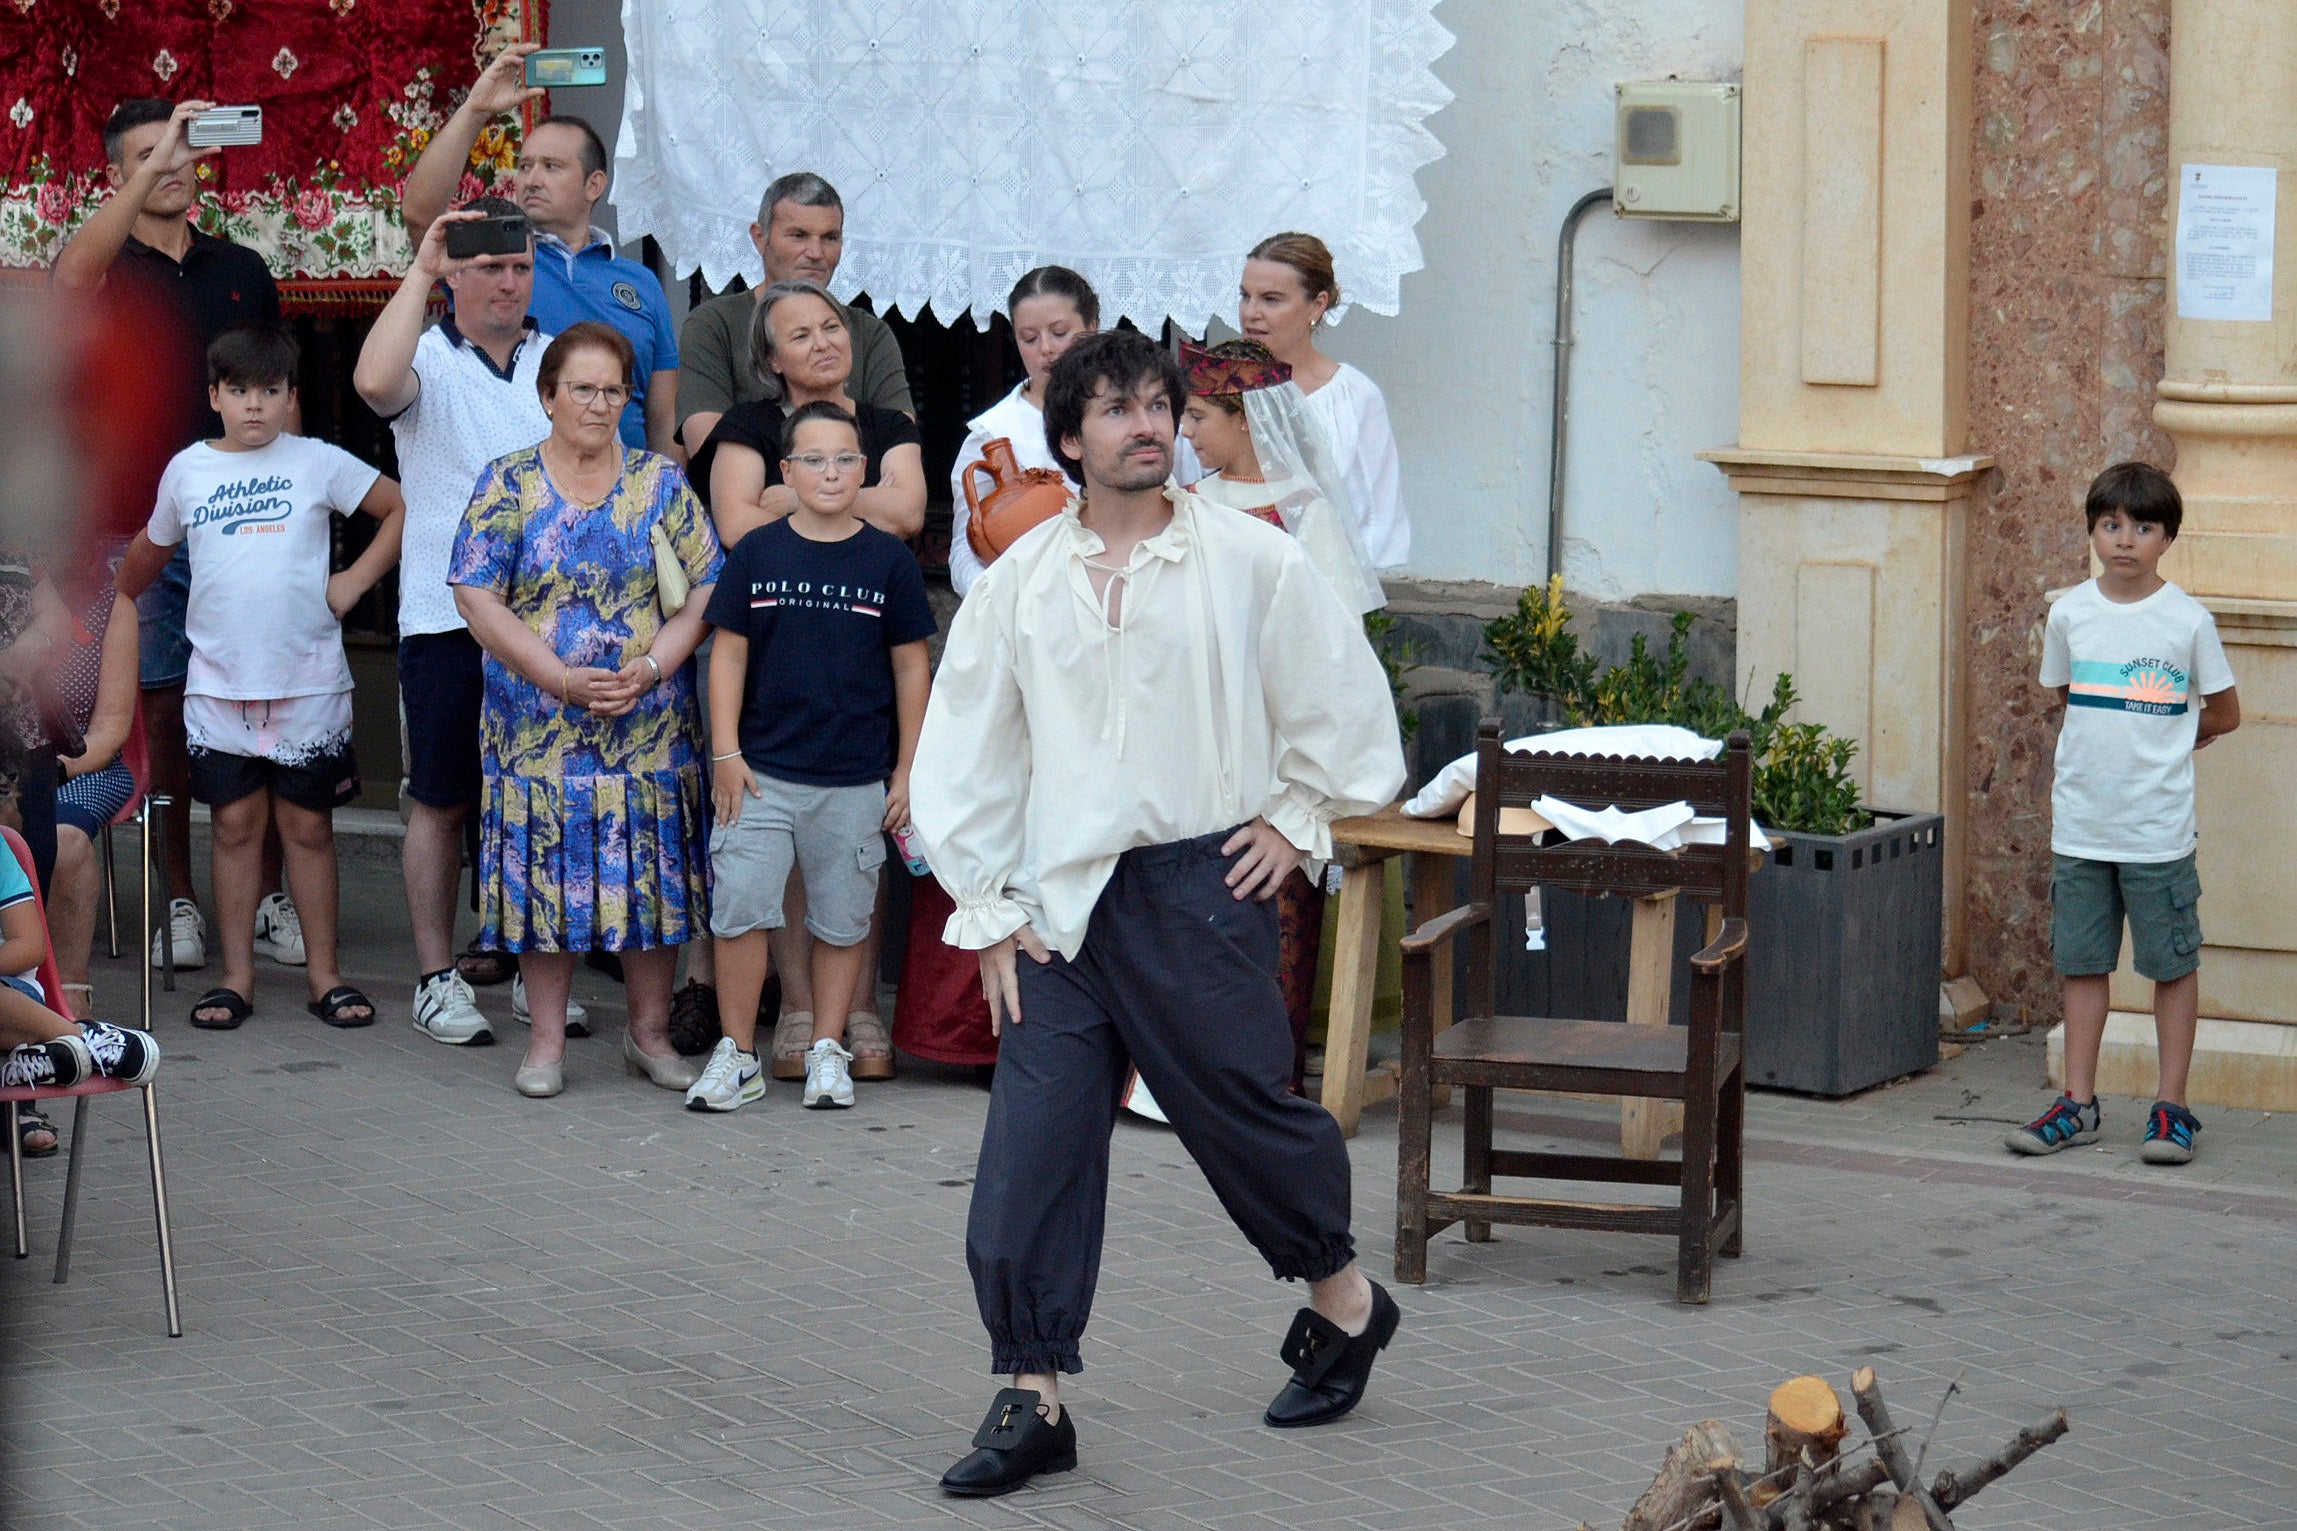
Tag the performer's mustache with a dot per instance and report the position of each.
(1138, 442)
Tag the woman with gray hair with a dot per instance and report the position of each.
(805, 350)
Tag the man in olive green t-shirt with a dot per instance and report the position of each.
(800, 233)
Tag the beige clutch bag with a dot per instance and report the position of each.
(669, 574)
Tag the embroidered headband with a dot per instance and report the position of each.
(1210, 374)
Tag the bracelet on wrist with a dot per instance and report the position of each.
(565, 675)
(729, 755)
(655, 665)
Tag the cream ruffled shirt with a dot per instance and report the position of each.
(1236, 687)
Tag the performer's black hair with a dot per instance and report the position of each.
(1120, 359)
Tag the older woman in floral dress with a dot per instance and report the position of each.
(593, 823)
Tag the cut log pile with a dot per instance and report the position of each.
(1813, 1477)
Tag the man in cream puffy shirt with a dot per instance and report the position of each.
(1149, 712)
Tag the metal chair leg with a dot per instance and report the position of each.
(71, 1192)
(155, 827)
(159, 1212)
(111, 896)
(16, 1177)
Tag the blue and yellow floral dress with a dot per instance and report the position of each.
(593, 831)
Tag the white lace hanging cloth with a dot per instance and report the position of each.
(1147, 143)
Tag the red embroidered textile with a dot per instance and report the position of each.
(351, 90)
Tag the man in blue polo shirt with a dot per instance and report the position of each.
(560, 180)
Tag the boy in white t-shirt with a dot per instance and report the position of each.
(267, 703)
(2137, 663)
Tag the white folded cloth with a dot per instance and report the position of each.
(1662, 741)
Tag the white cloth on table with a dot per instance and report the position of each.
(1354, 415)
(1450, 787)
(1236, 686)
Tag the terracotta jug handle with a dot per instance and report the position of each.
(972, 496)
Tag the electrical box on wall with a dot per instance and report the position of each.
(1678, 151)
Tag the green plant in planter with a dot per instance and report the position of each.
(1802, 779)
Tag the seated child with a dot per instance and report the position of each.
(48, 1049)
(817, 692)
(267, 701)
(2144, 681)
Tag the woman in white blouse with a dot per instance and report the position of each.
(1288, 288)
(1049, 308)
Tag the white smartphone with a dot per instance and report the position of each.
(225, 125)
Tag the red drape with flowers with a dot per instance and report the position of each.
(350, 91)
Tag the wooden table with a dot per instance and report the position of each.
(1359, 846)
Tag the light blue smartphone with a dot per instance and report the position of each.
(555, 68)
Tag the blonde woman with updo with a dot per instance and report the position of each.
(1288, 288)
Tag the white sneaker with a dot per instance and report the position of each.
(828, 1085)
(279, 930)
(730, 1080)
(577, 1018)
(447, 1011)
(189, 930)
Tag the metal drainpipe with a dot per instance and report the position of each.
(1560, 421)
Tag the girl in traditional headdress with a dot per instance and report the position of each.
(1265, 456)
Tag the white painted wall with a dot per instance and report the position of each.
(1466, 365)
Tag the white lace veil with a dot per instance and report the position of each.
(1312, 496)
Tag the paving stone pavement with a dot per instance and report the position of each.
(413, 1299)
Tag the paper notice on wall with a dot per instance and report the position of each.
(2225, 242)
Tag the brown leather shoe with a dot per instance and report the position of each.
(793, 1034)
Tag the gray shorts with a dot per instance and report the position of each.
(2089, 899)
(834, 835)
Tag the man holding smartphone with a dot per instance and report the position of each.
(458, 395)
(143, 237)
(561, 179)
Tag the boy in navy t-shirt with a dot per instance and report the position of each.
(820, 674)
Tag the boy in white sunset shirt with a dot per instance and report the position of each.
(267, 702)
(2137, 662)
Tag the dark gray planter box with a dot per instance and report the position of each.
(1843, 960)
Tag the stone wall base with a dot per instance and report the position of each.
(2247, 1064)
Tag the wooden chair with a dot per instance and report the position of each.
(1699, 1065)
(18, 1095)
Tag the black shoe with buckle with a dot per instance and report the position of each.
(1330, 1367)
(1013, 1445)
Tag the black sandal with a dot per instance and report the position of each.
(339, 1007)
(482, 968)
(231, 1002)
(30, 1123)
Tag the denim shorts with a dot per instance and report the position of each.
(2090, 899)
(834, 835)
(166, 648)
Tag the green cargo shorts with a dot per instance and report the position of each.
(2088, 900)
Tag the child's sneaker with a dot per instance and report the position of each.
(828, 1084)
(730, 1080)
(59, 1064)
(447, 1011)
(121, 1052)
(2065, 1125)
(187, 932)
(279, 931)
(2169, 1134)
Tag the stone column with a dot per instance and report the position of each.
(1854, 480)
(2229, 401)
